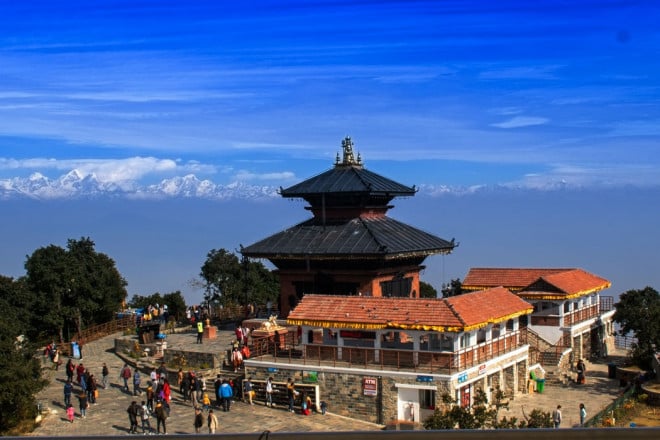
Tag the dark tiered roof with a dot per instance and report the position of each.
(380, 237)
(348, 180)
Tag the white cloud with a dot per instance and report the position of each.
(521, 121)
(573, 176)
(281, 176)
(110, 170)
(537, 72)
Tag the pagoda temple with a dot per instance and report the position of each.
(349, 246)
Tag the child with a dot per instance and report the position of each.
(206, 402)
(70, 412)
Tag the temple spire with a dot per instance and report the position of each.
(348, 155)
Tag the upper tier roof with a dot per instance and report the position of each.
(513, 278)
(348, 177)
(547, 284)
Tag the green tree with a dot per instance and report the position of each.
(455, 287)
(221, 274)
(74, 287)
(482, 414)
(638, 312)
(227, 280)
(427, 291)
(176, 305)
(20, 370)
(142, 302)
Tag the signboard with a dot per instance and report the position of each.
(482, 369)
(462, 377)
(310, 376)
(370, 386)
(424, 378)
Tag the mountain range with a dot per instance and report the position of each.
(78, 185)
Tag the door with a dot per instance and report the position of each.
(465, 396)
(408, 404)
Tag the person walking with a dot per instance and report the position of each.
(132, 411)
(199, 420)
(125, 374)
(212, 421)
(136, 383)
(68, 390)
(200, 331)
(556, 416)
(161, 417)
(144, 417)
(581, 372)
(269, 392)
(583, 414)
(226, 392)
(70, 368)
(291, 393)
(70, 412)
(216, 387)
(248, 391)
(104, 376)
(83, 404)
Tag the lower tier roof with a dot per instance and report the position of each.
(381, 237)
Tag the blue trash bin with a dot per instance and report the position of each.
(75, 350)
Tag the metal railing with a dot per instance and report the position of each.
(285, 348)
(606, 417)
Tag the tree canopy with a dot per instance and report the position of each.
(228, 280)
(20, 371)
(482, 414)
(176, 304)
(638, 312)
(427, 291)
(455, 287)
(72, 288)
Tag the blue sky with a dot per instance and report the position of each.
(448, 92)
(446, 95)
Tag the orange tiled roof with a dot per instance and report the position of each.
(459, 313)
(565, 285)
(479, 278)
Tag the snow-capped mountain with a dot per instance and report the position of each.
(76, 184)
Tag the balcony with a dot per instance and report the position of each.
(581, 315)
(420, 361)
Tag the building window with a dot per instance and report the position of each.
(441, 342)
(397, 287)
(427, 399)
(481, 336)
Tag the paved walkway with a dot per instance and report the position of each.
(109, 417)
(598, 392)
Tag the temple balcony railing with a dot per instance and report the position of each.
(581, 315)
(284, 349)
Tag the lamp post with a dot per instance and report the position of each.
(245, 263)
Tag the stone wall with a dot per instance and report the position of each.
(521, 368)
(192, 359)
(344, 393)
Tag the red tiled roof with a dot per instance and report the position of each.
(463, 312)
(567, 284)
(479, 278)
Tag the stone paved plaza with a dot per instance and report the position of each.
(109, 417)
